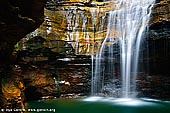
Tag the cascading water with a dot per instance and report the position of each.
(125, 31)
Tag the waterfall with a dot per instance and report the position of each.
(116, 64)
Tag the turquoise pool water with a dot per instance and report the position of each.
(99, 105)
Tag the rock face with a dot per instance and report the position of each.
(160, 22)
(12, 89)
(85, 26)
(39, 83)
(17, 18)
(87, 21)
(155, 82)
(38, 75)
(159, 38)
(161, 15)
(75, 80)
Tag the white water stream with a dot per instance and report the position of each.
(126, 29)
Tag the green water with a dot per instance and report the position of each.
(99, 105)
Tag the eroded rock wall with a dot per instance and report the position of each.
(17, 18)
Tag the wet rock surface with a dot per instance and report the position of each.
(155, 83)
(75, 78)
(50, 74)
(74, 81)
(154, 86)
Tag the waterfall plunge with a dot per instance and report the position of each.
(126, 27)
